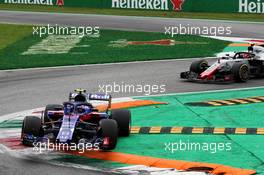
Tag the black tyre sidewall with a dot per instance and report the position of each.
(237, 68)
(196, 66)
(32, 125)
(123, 119)
(109, 129)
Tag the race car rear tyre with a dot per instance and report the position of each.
(123, 119)
(198, 66)
(109, 130)
(240, 72)
(31, 126)
(51, 107)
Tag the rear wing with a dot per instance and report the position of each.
(101, 97)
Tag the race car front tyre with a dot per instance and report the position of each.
(110, 132)
(240, 72)
(51, 107)
(31, 126)
(123, 119)
(199, 66)
(184, 75)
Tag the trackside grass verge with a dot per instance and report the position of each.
(129, 12)
(109, 47)
(10, 34)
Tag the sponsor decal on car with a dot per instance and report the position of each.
(148, 4)
(99, 97)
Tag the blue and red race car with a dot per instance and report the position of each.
(78, 121)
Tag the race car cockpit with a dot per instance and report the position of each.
(77, 108)
(244, 55)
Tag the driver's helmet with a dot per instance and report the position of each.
(83, 109)
(80, 98)
(79, 95)
(250, 48)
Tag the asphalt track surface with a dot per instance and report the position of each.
(27, 165)
(27, 89)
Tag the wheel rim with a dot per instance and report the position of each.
(244, 72)
(203, 65)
